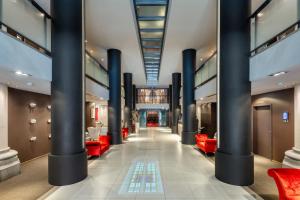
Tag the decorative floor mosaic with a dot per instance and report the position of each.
(142, 177)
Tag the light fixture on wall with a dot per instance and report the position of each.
(49, 107)
(278, 74)
(33, 139)
(32, 105)
(32, 121)
(49, 121)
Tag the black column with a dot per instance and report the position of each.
(67, 159)
(114, 104)
(189, 105)
(133, 97)
(127, 78)
(176, 86)
(234, 158)
(170, 105)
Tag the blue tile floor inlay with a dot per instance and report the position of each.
(142, 177)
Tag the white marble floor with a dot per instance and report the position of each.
(150, 165)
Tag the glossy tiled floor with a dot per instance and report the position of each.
(151, 165)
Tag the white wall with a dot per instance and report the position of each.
(280, 57)
(3, 117)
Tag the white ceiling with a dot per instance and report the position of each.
(111, 24)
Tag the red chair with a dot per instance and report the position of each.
(125, 133)
(206, 144)
(287, 181)
(152, 124)
(98, 147)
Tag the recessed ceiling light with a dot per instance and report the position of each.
(85, 41)
(20, 73)
(201, 98)
(42, 15)
(201, 59)
(260, 14)
(102, 59)
(278, 74)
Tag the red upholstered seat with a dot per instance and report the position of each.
(205, 144)
(125, 133)
(287, 181)
(97, 148)
(152, 124)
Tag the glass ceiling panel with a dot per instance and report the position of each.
(147, 11)
(151, 16)
(152, 24)
(151, 43)
(152, 35)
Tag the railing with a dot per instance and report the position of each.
(95, 71)
(156, 99)
(272, 23)
(27, 22)
(207, 71)
(32, 25)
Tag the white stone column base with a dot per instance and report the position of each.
(9, 164)
(292, 159)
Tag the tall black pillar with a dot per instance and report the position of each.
(133, 97)
(127, 78)
(114, 104)
(67, 159)
(170, 105)
(189, 105)
(176, 86)
(234, 158)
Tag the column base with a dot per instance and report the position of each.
(67, 169)
(9, 164)
(292, 158)
(188, 137)
(175, 129)
(116, 138)
(234, 169)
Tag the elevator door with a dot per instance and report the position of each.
(262, 131)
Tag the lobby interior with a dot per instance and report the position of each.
(149, 99)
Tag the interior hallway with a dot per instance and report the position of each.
(157, 166)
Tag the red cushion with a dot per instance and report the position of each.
(287, 181)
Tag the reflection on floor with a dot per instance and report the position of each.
(151, 165)
(30, 184)
(264, 185)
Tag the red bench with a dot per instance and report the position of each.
(125, 133)
(287, 181)
(98, 147)
(206, 144)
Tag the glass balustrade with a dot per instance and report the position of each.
(95, 71)
(273, 23)
(207, 71)
(21, 16)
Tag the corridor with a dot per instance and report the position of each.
(150, 165)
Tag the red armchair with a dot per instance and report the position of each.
(287, 181)
(98, 147)
(206, 144)
(125, 133)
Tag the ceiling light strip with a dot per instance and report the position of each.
(151, 31)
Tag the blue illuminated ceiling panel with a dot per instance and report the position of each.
(151, 16)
